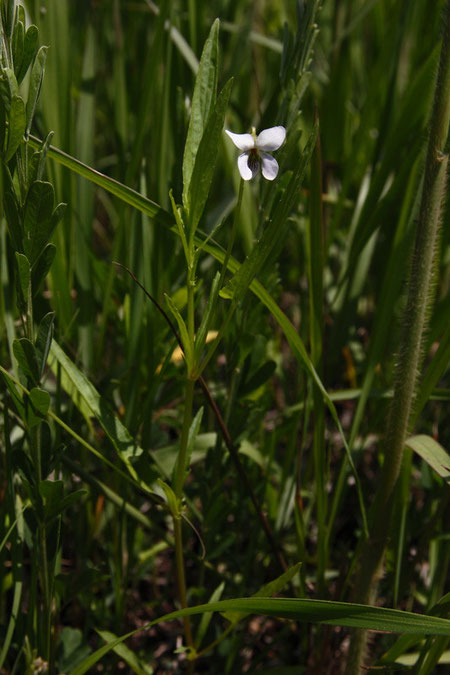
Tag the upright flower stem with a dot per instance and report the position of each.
(418, 304)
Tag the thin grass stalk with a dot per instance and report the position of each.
(417, 310)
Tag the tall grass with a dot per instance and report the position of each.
(217, 391)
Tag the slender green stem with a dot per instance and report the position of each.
(417, 309)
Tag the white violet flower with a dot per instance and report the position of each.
(255, 151)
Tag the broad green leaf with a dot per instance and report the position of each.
(304, 610)
(26, 356)
(30, 46)
(36, 77)
(86, 397)
(202, 101)
(17, 123)
(274, 232)
(206, 157)
(432, 453)
(24, 273)
(40, 400)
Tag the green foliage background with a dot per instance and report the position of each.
(305, 366)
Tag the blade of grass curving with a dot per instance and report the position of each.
(432, 453)
(304, 610)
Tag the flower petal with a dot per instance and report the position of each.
(242, 141)
(248, 168)
(269, 166)
(271, 139)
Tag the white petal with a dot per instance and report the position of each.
(269, 166)
(271, 139)
(246, 169)
(241, 141)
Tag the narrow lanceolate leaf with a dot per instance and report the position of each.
(37, 214)
(84, 394)
(17, 123)
(276, 228)
(202, 101)
(205, 160)
(317, 611)
(37, 75)
(187, 346)
(24, 272)
(432, 453)
(30, 46)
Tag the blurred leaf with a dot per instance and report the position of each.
(126, 654)
(185, 339)
(17, 45)
(71, 650)
(13, 219)
(54, 501)
(202, 101)
(192, 436)
(432, 453)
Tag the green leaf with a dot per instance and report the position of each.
(38, 218)
(18, 41)
(202, 101)
(8, 87)
(204, 327)
(126, 654)
(88, 401)
(174, 504)
(317, 611)
(36, 77)
(192, 436)
(432, 453)
(42, 266)
(24, 273)
(30, 46)
(274, 232)
(44, 340)
(185, 339)
(13, 220)
(27, 359)
(206, 157)
(207, 616)
(17, 123)
(267, 590)
(40, 400)
(54, 501)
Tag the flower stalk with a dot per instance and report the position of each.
(411, 346)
